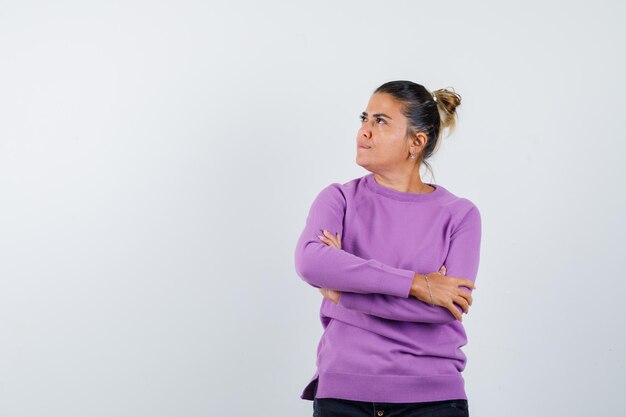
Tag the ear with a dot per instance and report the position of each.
(419, 141)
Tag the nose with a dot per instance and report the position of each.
(365, 131)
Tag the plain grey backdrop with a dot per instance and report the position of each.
(158, 160)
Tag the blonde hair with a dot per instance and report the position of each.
(447, 102)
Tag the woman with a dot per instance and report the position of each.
(396, 259)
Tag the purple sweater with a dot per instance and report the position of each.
(379, 344)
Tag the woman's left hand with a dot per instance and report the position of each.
(335, 242)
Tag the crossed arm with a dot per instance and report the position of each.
(368, 285)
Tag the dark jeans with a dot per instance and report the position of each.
(335, 407)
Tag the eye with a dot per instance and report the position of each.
(378, 119)
(362, 118)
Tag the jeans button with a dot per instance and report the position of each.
(380, 412)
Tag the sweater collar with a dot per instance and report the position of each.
(370, 182)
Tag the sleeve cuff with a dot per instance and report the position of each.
(401, 286)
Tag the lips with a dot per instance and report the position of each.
(363, 146)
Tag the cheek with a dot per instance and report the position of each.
(386, 151)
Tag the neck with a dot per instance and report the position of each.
(403, 183)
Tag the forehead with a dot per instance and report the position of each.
(384, 103)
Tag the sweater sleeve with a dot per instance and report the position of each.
(461, 262)
(323, 266)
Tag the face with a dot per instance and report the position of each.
(382, 140)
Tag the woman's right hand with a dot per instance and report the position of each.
(445, 291)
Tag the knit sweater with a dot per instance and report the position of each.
(379, 344)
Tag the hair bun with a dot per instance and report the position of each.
(447, 101)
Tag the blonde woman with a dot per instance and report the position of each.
(396, 259)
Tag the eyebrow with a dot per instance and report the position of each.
(376, 115)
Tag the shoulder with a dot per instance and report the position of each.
(332, 192)
(462, 210)
(455, 203)
(339, 192)
(468, 216)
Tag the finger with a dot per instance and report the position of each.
(464, 282)
(334, 295)
(442, 270)
(462, 302)
(324, 239)
(335, 243)
(469, 284)
(331, 237)
(327, 235)
(467, 296)
(454, 311)
(328, 241)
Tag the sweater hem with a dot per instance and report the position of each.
(385, 388)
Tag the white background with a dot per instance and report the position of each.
(158, 160)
